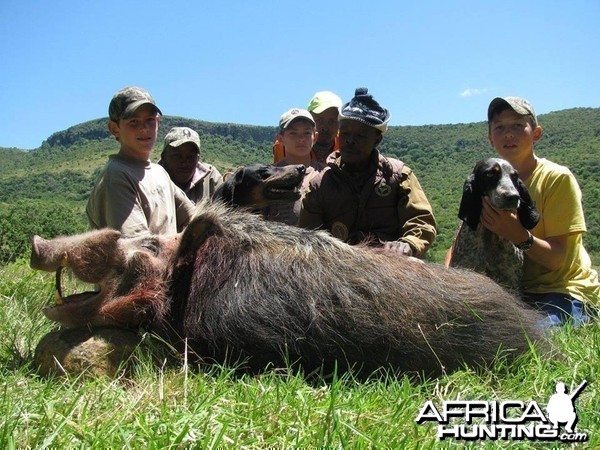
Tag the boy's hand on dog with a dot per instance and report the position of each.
(504, 223)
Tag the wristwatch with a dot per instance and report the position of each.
(527, 244)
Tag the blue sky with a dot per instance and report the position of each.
(428, 62)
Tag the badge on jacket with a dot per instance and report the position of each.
(339, 230)
(383, 189)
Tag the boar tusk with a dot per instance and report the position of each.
(64, 262)
(58, 294)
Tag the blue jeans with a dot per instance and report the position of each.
(560, 308)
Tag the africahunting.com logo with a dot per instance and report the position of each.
(473, 420)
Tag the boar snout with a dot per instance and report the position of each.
(44, 256)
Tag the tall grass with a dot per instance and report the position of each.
(168, 406)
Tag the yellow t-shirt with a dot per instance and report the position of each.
(557, 196)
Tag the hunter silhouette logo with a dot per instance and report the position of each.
(561, 407)
(472, 420)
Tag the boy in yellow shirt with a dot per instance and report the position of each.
(558, 276)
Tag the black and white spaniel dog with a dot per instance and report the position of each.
(477, 248)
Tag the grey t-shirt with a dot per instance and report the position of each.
(137, 197)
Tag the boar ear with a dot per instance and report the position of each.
(197, 232)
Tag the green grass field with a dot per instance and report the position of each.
(172, 406)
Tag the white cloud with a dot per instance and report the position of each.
(470, 92)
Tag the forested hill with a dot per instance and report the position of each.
(85, 147)
(44, 190)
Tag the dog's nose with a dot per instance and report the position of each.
(513, 200)
(301, 169)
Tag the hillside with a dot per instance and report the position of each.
(44, 190)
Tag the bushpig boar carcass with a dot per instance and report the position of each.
(239, 288)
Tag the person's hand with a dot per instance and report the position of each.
(398, 247)
(504, 223)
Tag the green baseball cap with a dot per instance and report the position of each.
(126, 102)
(324, 100)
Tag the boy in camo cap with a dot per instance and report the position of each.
(132, 194)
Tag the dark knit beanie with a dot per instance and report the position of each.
(364, 108)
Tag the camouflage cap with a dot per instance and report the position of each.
(180, 135)
(292, 114)
(517, 104)
(324, 100)
(126, 102)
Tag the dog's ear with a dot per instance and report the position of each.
(470, 203)
(238, 176)
(224, 193)
(226, 189)
(527, 212)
